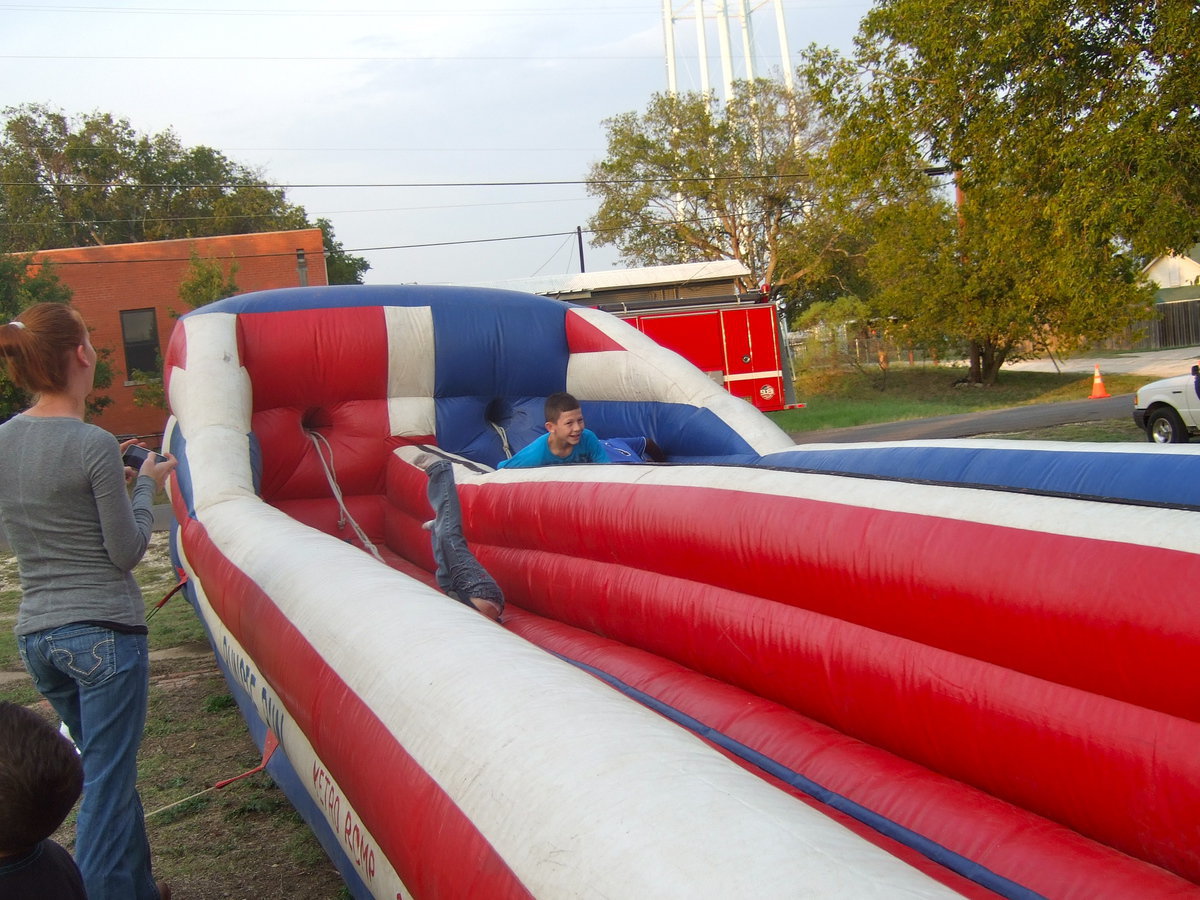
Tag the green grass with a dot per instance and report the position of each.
(175, 624)
(846, 399)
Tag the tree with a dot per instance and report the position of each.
(690, 179)
(73, 182)
(340, 266)
(93, 179)
(1016, 103)
(22, 284)
(207, 282)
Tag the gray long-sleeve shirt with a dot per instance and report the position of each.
(76, 533)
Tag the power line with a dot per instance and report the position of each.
(326, 13)
(316, 213)
(308, 59)
(164, 259)
(666, 179)
(421, 246)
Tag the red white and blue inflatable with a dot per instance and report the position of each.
(752, 670)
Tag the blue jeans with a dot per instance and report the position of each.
(98, 680)
(459, 573)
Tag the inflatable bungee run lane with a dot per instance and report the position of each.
(740, 669)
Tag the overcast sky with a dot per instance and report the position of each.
(364, 102)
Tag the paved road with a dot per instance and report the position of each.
(997, 421)
(1151, 363)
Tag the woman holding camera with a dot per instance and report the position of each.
(81, 627)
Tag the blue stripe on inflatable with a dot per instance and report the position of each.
(183, 470)
(344, 296)
(474, 335)
(1154, 478)
(931, 850)
(697, 431)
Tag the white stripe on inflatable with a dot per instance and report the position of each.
(359, 845)
(213, 396)
(581, 791)
(212, 351)
(412, 416)
(1173, 529)
(410, 370)
(647, 371)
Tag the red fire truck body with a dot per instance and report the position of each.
(697, 310)
(736, 343)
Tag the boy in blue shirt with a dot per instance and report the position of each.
(565, 440)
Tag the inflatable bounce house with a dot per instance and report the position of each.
(738, 669)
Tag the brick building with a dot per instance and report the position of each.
(129, 296)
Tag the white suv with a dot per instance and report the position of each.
(1169, 410)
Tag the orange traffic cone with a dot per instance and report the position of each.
(1098, 391)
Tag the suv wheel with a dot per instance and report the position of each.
(1163, 426)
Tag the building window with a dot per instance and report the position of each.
(139, 330)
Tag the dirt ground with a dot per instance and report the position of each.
(242, 842)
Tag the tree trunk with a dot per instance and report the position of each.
(975, 372)
(993, 359)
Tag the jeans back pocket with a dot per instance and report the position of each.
(87, 653)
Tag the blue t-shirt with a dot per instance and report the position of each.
(588, 450)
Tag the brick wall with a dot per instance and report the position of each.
(107, 280)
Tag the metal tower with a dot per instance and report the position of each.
(718, 11)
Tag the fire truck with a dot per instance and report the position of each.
(736, 337)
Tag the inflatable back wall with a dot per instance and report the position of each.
(728, 673)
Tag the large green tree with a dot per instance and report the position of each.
(75, 181)
(691, 179)
(93, 179)
(340, 267)
(1069, 168)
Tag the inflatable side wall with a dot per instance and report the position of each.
(719, 677)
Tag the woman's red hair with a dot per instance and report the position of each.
(38, 344)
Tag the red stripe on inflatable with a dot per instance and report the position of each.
(354, 438)
(1004, 595)
(1005, 839)
(176, 356)
(1120, 773)
(327, 357)
(435, 848)
(584, 337)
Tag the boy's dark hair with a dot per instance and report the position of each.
(41, 777)
(557, 404)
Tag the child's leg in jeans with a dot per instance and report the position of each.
(459, 573)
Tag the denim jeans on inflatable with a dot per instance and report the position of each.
(459, 573)
(97, 681)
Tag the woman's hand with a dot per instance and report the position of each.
(158, 466)
(130, 474)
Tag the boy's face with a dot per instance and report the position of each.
(567, 431)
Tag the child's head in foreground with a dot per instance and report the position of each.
(40, 779)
